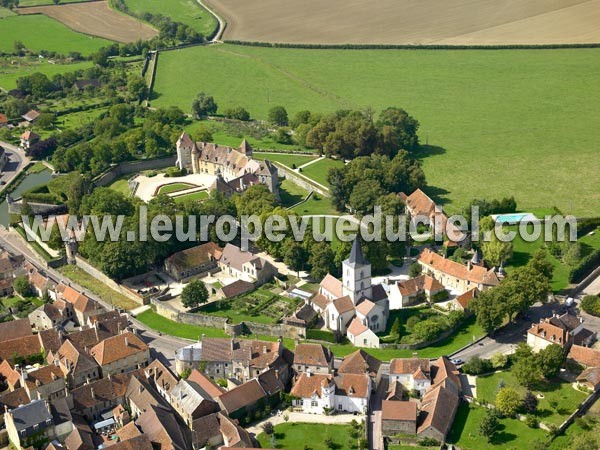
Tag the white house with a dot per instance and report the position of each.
(361, 336)
(344, 393)
(411, 292)
(411, 373)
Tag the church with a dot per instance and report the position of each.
(235, 169)
(353, 307)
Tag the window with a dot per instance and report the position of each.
(364, 341)
(314, 403)
(340, 407)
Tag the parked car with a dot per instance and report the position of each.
(458, 361)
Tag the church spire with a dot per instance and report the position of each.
(356, 255)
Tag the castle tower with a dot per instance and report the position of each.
(246, 149)
(185, 145)
(356, 276)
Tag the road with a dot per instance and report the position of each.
(374, 422)
(163, 347)
(15, 164)
(222, 24)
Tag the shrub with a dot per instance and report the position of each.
(585, 266)
(499, 360)
(508, 401)
(268, 428)
(415, 270)
(530, 403)
(531, 421)
(477, 366)
(429, 442)
(591, 305)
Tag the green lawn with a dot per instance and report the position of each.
(107, 294)
(567, 399)
(182, 330)
(492, 130)
(318, 171)
(38, 32)
(285, 158)
(78, 119)
(290, 193)
(185, 11)
(121, 185)
(10, 73)
(463, 337)
(316, 204)
(174, 187)
(513, 434)
(295, 436)
(5, 12)
(199, 195)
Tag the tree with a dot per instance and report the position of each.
(489, 309)
(203, 134)
(526, 371)
(237, 113)
(551, 359)
(591, 304)
(320, 260)
(508, 401)
(194, 294)
(203, 105)
(530, 403)
(415, 270)
(21, 285)
(395, 330)
(489, 425)
(268, 428)
(45, 120)
(294, 255)
(136, 88)
(495, 251)
(499, 360)
(365, 195)
(278, 116)
(398, 130)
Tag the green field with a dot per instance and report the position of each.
(23, 3)
(285, 158)
(493, 130)
(200, 195)
(185, 11)
(182, 330)
(38, 32)
(9, 73)
(318, 171)
(513, 433)
(78, 119)
(296, 436)
(566, 397)
(174, 187)
(5, 12)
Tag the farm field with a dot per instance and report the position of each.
(184, 11)
(38, 32)
(463, 22)
(503, 142)
(26, 3)
(97, 19)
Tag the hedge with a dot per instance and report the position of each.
(585, 267)
(584, 226)
(408, 46)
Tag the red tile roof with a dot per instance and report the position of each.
(356, 327)
(399, 366)
(475, 274)
(360, 362)
(209, 386)
(398, 410)
(118, 347)
(352, 385)
(312, 355)
(242, 396)
(308, 385)
(332, 285)
(586, 356)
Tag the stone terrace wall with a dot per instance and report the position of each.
(126, 168)
(298, 179)
(98, 275)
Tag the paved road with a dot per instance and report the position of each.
(593, 288)
(163, 347)
(15, 164)
(374, 423)
(219, 33)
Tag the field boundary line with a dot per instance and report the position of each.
(409, 46)
(222, 24)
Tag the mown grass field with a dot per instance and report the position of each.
(182, 330)
(498, 123)
(200, 195)
(295, 436)
(318, 171)
(38, 32)
(286, 159)
(185, 11)
(174, 187)
(5, 12)
(567, 399)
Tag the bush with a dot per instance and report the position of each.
(591, 305)
(237, 113)
(477, 366)
(531, 421)
(415, 270)
(268, 428)
(499, 361)
(508, 402)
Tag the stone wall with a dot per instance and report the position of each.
(222, 323)
(43, 209)
(126, 168)
(300, 180)
(98, 275)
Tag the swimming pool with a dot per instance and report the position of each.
(514, 217)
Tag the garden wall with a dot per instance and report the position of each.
(98, 275)
(221, 323)
(43, 209)
(300, 180)
(105, 178)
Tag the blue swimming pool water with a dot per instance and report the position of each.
(501, 218)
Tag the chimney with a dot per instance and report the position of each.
(126, 342)
(92, 393)
(264, 349)
(308, 373)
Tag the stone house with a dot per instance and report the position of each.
(120, 354)
(314, 358)
(564, 330)
(219, 431)
(398, 417)
(191, 401)
(75, 364)
(28, 138)
(415, 290)
(193, 261)
(361, 335)
(411, 373)
(94, 398)
(359, 363)
(245, 265)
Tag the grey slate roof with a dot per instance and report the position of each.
(34, 413)
(356, 255)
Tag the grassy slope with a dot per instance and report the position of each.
(159, 323)
(296, 436)
(318, 171)
(5, 12)
(200, 195)
(9, 76)
(510, 122)
(185, 11)
(39, 32)
(285, 159)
